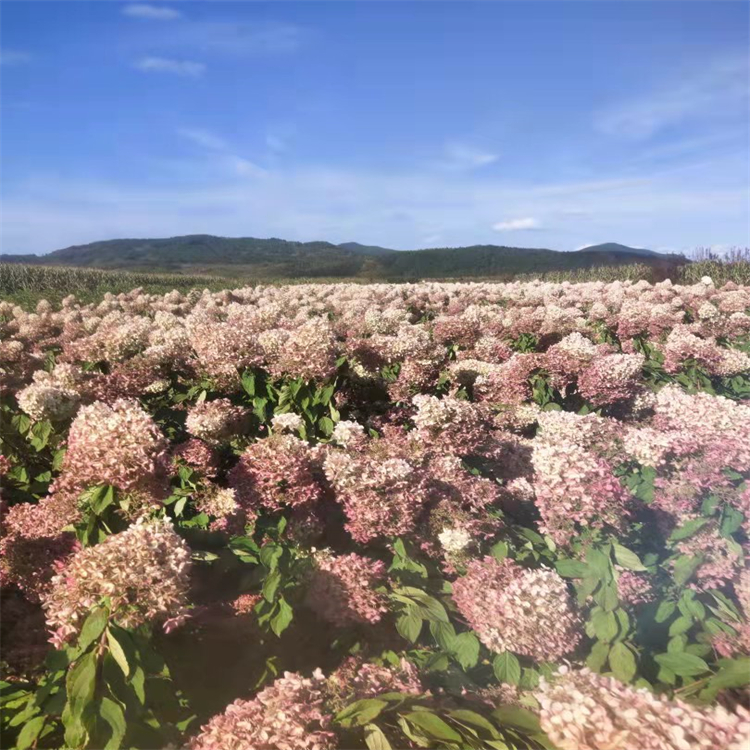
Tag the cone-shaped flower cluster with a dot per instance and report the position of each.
(143, 571)
(516, 609)
(582, 710)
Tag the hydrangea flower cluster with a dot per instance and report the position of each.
(289, 422)
(219, 502)
(142, 571)
(197, 455)
(214, 421)
(356, 680)
(287, 715)
(575, 483)
(342, 589)
(582, 710)
(275, 473)
(54, 396)
(118, 445)
(516, 609)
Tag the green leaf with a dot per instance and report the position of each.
(375, 739)
(326, 425)
(677, 644)
(75, 732)
(734, 673)
(248, 383)
(31, 730)
(433, 725)
(102, 499)
(93, 627)
(270, 554)
(731, 520)
(627, 558)
(444, 634)
(466, 650)
(271, 585)
(599, 563)
(507, 668)
(682, 664)
(688, 529)
(598, 656)
(121, 648)
(572, 568)
(470, 717)
(680, 625)
(81, 683)
(605, 625)
(622, 662)
(517, 717)
(409, 625)
(664, 611)
(360, 712)
(429, 607)
(607, 596)
(112, 713)
(499, 550)
(684, 568)
(57, 459)
(280, 621)
(417, 738)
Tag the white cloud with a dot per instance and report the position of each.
(203, 191)
(187, 68)
(234, 163)
(720, 88)
(14, 57)
(151, 12)
(513, 225)
(275, 143)
(237, 38)
(203, 138)
(464, 156)
(246, 168)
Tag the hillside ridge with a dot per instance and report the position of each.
(277, 258)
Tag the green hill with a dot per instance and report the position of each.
(614, 247)
(282, 259)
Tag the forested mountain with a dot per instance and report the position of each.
(614, 247)
(276, 258)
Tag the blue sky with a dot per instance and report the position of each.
(406, 124)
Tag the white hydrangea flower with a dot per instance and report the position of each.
(289, 421)
(454, 540)
(346, 431)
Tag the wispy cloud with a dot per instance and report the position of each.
(212, 191)
(14, 57)
(187, 68)
(275, 143)
(461, 156)
(718, 89)
(576, 212)
(513, 225)
(223, 151)
(151, 12)
(203, 138)
(245, 167)
(237, 38)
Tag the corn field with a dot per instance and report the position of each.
(16, 277)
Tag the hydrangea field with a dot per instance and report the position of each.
(345, 516)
